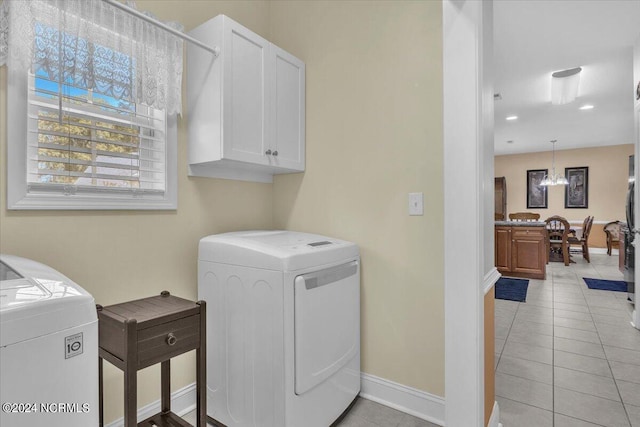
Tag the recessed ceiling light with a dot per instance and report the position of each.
(512, 118)
(587, 107)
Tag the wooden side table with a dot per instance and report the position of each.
(137, 334)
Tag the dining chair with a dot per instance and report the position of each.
(612, 230)
(583, 241)
(524, 216)
(557, 237)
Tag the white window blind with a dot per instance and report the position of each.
(80, 141)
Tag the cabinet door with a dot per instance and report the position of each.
(503, 249)
(528, 252)
(287, 110)
(245, 94)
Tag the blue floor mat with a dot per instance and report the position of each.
(511, 289)
(606, 285)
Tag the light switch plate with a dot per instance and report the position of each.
(416, 204)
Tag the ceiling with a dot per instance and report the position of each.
(532, 39)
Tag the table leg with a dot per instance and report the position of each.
(100, 395)
(130, 397)
(131, 374)
(201, 369)
(165, 386)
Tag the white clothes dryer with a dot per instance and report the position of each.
(48, 348)
(283, 327)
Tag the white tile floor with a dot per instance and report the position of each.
(366, 413)
(568, 357)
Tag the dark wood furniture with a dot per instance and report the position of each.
(500, 198)
(137, 334)
(520, 250)
(622, 249)
(583, 241)
(612, 231)
(558, 237)
(524, 216)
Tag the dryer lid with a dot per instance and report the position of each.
(36, 300)
(275, 250)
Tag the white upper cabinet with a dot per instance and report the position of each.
(246, 108)
(245, 58)
(286, 130)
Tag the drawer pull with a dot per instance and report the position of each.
(171, 339)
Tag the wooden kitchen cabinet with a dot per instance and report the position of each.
(246, 108)
(520, 251)
(500, 198)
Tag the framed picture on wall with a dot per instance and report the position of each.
(536, 193)
(576, 193)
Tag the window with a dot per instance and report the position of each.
(78, 136)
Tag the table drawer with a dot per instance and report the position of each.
(167, 339)
(154, 343)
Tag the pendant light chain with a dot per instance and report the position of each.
(554, 178)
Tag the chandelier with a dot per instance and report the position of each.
(554, 178)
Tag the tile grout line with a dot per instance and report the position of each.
(507, 336)
(615, 382)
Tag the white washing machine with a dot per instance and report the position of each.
(48, 348)
(283, 327)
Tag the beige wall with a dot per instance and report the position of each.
(119, 256)
(374, 134)
(608, 180)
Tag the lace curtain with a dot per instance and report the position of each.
(93, 45)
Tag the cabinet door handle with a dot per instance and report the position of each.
(275, 153)
(268, 152)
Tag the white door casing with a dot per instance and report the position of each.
(468, 130)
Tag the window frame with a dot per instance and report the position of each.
(20, 198)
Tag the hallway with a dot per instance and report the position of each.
(568, 357)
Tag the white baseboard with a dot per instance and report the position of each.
(490, 279)
(600, 251)
(603, 251)
(183, 401)
(409, 400)
(406, 399)
(494, 421)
